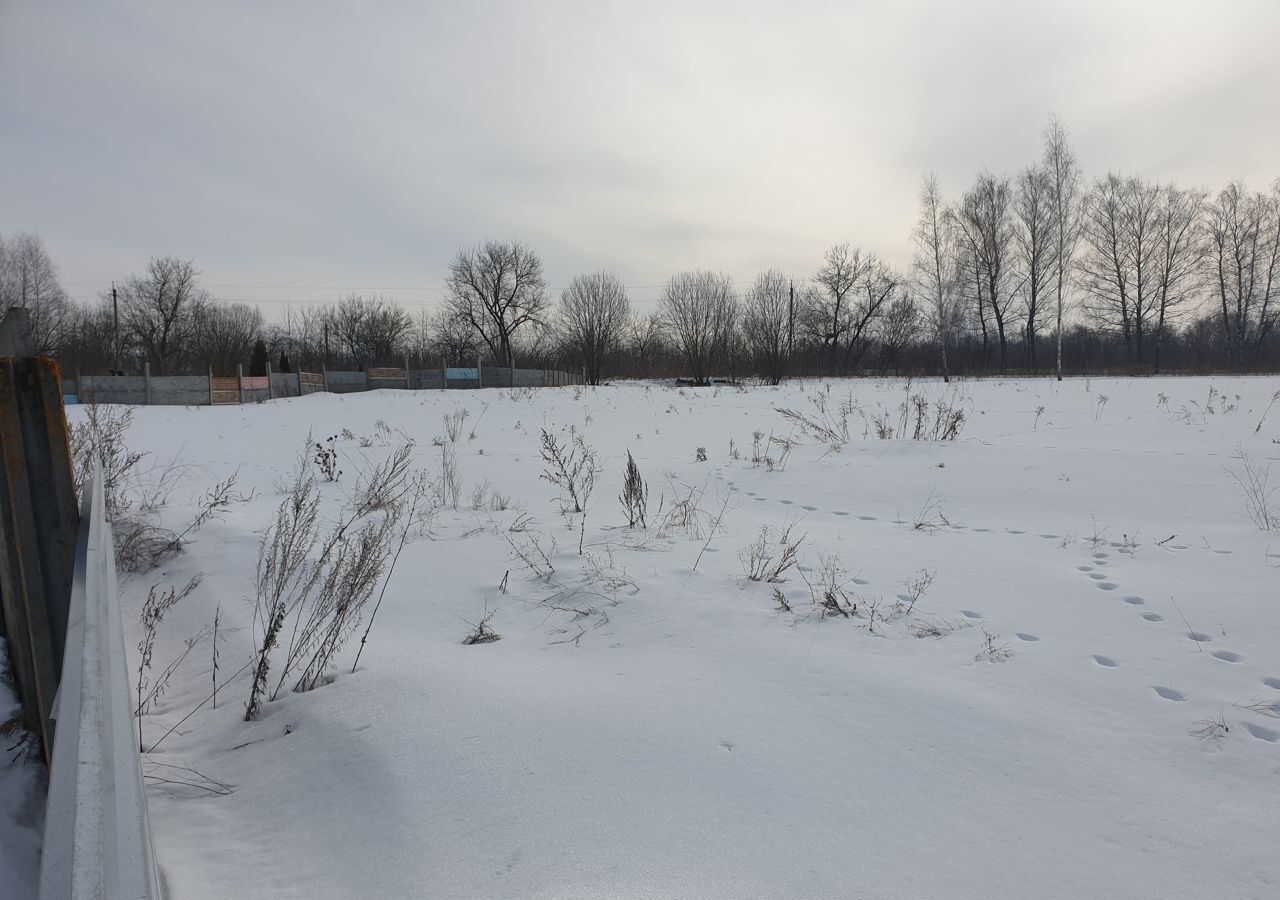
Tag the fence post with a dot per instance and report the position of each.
(240, 382)
(146, 381)
(211, 385)
(39, 525)
(271, 393)
(479, 374)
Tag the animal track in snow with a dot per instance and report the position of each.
(759, 498)
(970, 614)
(809, 508)
(786, 502)
(982, 530)
(1227, 656)
(1199, 637)
(1224, 552)
(860, 581)
(1262, 734)
(1272, 682)
(1085, 568)
(1153, 617)
(1135, 601)
(1097, 576)
(1025, 636)
(1015, 531)
(1101, 555)
(1106, 586)
(840, 512)
(1105, 661)
(867, 518)
(1169, 693)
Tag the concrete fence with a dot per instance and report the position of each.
(216, 390)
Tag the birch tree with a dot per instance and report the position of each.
(1064, 198)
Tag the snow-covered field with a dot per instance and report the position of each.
(684, 736)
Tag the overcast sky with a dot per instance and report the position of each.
(297, 150)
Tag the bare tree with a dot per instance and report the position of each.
(898, 327)
(223, 336)
(1243, 251)
(1064, 199)
(451, 339)
(1180, 258)
(829, 314)
(1121, 263)
(934, 264)
(497, 289)
(1034, 238)
(987, 227)
(371, 329)
(766, 320)
(158, 310)
(698, 309)
(91, 344)
(594, 312)
(646, 343)
(29, 279)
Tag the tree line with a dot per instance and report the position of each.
(1038, 271)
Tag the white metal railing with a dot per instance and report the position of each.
(97, 841)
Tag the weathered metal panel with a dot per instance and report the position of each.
(97, 838)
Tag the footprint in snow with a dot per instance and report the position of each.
(1169, 693)
(1106, 662)
(982, 530)
(809, 508)
(1106, 586)
(860, 581)
(1227, 656)
(1015, 531)
(1153, 617)
(839, 512)
(1025, 636)
(1273, 683)
(867, 518)
(1101, 555)
(759, 498)
(1224, 552)
(786, 502)
(1137, 601)
(1261, 733)
(1085, 568)
(726, 746)
(970, 614)
(1199, 637)
(1049, 537)
(1097, 576)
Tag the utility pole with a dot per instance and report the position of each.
(115, 329)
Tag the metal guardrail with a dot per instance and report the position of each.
(97, 841)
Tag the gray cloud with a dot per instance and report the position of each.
(317, 144)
